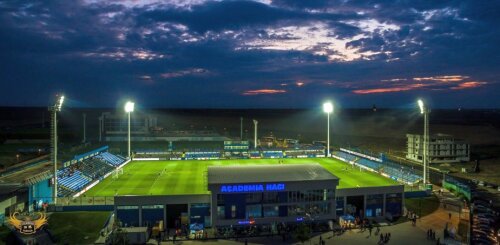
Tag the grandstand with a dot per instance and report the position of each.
(111, 159)
(380, 165)
(85, 169)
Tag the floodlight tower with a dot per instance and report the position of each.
(255, 122)
(328, 108)
(241, 128)
(84, 128)
(129, 108)
(53, 129)
(425, 154)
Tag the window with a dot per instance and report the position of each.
(220, 199)
(152, 207)
(253, 211)
(221, 214)
(271, 211)
(233, 211)
(127, 207)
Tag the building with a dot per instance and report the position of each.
(442, 148)
(117, 124)
(261, 195)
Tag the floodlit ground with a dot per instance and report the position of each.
(190, 177)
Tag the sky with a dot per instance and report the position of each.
(250, 54)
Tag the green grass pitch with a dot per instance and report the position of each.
(189, 177)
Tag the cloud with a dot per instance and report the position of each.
(392, 50)
(315, 38)
(449, 78)
(467, 85)
(445, 82)
(188, 72)
(264, 91)
(124, 54)
(388, 90)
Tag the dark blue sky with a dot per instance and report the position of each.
(251, 54)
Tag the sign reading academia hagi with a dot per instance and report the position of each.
(252, 188)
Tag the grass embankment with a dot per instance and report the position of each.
(77, 227)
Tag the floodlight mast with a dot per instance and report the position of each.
(241, 128)
(425, 152)
(328, 108)
(129, 108)
(53, 128)
(255, 122)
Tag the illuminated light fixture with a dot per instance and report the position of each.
(328, 107)
(129, 107)
(421, 106)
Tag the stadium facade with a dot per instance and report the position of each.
(261, 195)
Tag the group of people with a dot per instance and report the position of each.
(412, 216)
(384, 238)
(431, 235)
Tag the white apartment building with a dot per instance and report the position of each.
(442, 148)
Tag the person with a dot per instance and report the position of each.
(320, 239)
(381, 237)
(449, 215)
(370, 229)
(378, 230)
(438, 241)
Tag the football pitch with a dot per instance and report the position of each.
(190, 177)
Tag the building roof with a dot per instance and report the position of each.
(267, 173)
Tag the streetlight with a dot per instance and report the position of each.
(425, 154)
(129, 108)
(328, 108)
(53, 128)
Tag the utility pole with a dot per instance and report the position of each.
(84, 128)
(100, 128)
(426, 147)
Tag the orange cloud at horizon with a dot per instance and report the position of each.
(388, 90)
(465, 85)
(445, 82)
(264, 91)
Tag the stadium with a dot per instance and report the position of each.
(176, 188)
(187, 182)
